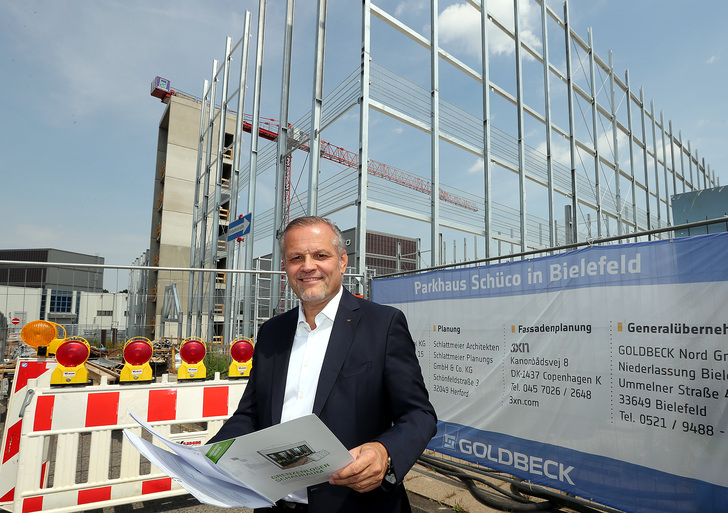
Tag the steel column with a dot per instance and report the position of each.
(572, 125)
(547, 114)
(214, 235)
(664, 168)
(630, 130)
(485, 64)
(595, 135)
(656, 163)
(435, 132)
(204, 120)
(615, 144)
(253, 173)
(362, 170)
(644, 159)
(521, 128)
(280, 209)
(318, 94)
(232, 306)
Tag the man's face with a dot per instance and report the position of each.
(313, 265)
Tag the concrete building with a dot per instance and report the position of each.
(57, 289)
(386, 253)
(171, 238)
(61, 278)
(99, 317)
(73, 297)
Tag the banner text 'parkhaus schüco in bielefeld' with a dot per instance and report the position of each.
(602, 372)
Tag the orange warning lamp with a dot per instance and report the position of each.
(137, 353)
(38, 335)
(71, 357)
(60, 337)
(241, 351)
(192, 352)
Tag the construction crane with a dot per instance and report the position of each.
(270, 128)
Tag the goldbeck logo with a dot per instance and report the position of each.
(450, 438)
(503, 457)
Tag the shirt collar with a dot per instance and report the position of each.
(329, 310)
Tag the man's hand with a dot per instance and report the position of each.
(367, 470)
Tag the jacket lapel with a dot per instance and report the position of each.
(342, 336)
(280, 364)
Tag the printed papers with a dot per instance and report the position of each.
(253, 470)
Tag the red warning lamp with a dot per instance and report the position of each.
(73, 353)
(192, 352)
(137, 353)
(71, 356)
(241, 351)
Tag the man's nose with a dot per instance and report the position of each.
(307, 263)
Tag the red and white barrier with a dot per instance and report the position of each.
(20, 395)
(70, 438)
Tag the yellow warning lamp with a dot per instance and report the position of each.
(71, 357)
(192, 352)
(241, 351)
(137, 353)
(38, 335)
(60, 337)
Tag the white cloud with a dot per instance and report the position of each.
(477, 167)
(460, 25)
(409, 6)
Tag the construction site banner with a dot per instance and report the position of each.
(602, 372)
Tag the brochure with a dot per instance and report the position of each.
(254, 470)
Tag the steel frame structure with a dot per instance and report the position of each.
(614, 179)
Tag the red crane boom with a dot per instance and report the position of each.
(269, 129)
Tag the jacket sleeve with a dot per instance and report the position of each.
(414, 418)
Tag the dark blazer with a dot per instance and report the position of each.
(370, 388)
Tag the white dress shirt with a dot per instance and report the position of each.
(304, 367)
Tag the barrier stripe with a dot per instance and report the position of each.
(162, 405)
(8, 497)
(157, 485)
(43, 474)
(215, 402)
(12, 440)
(44, 413)
(102, 409)
(94, 495)
(32, 504)
(28, 370)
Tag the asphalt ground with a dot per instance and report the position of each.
(428, 492)
(188, 504)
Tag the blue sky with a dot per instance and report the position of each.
(79, 131)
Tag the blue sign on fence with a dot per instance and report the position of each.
(240, 227)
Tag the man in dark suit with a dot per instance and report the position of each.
(349, 361)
